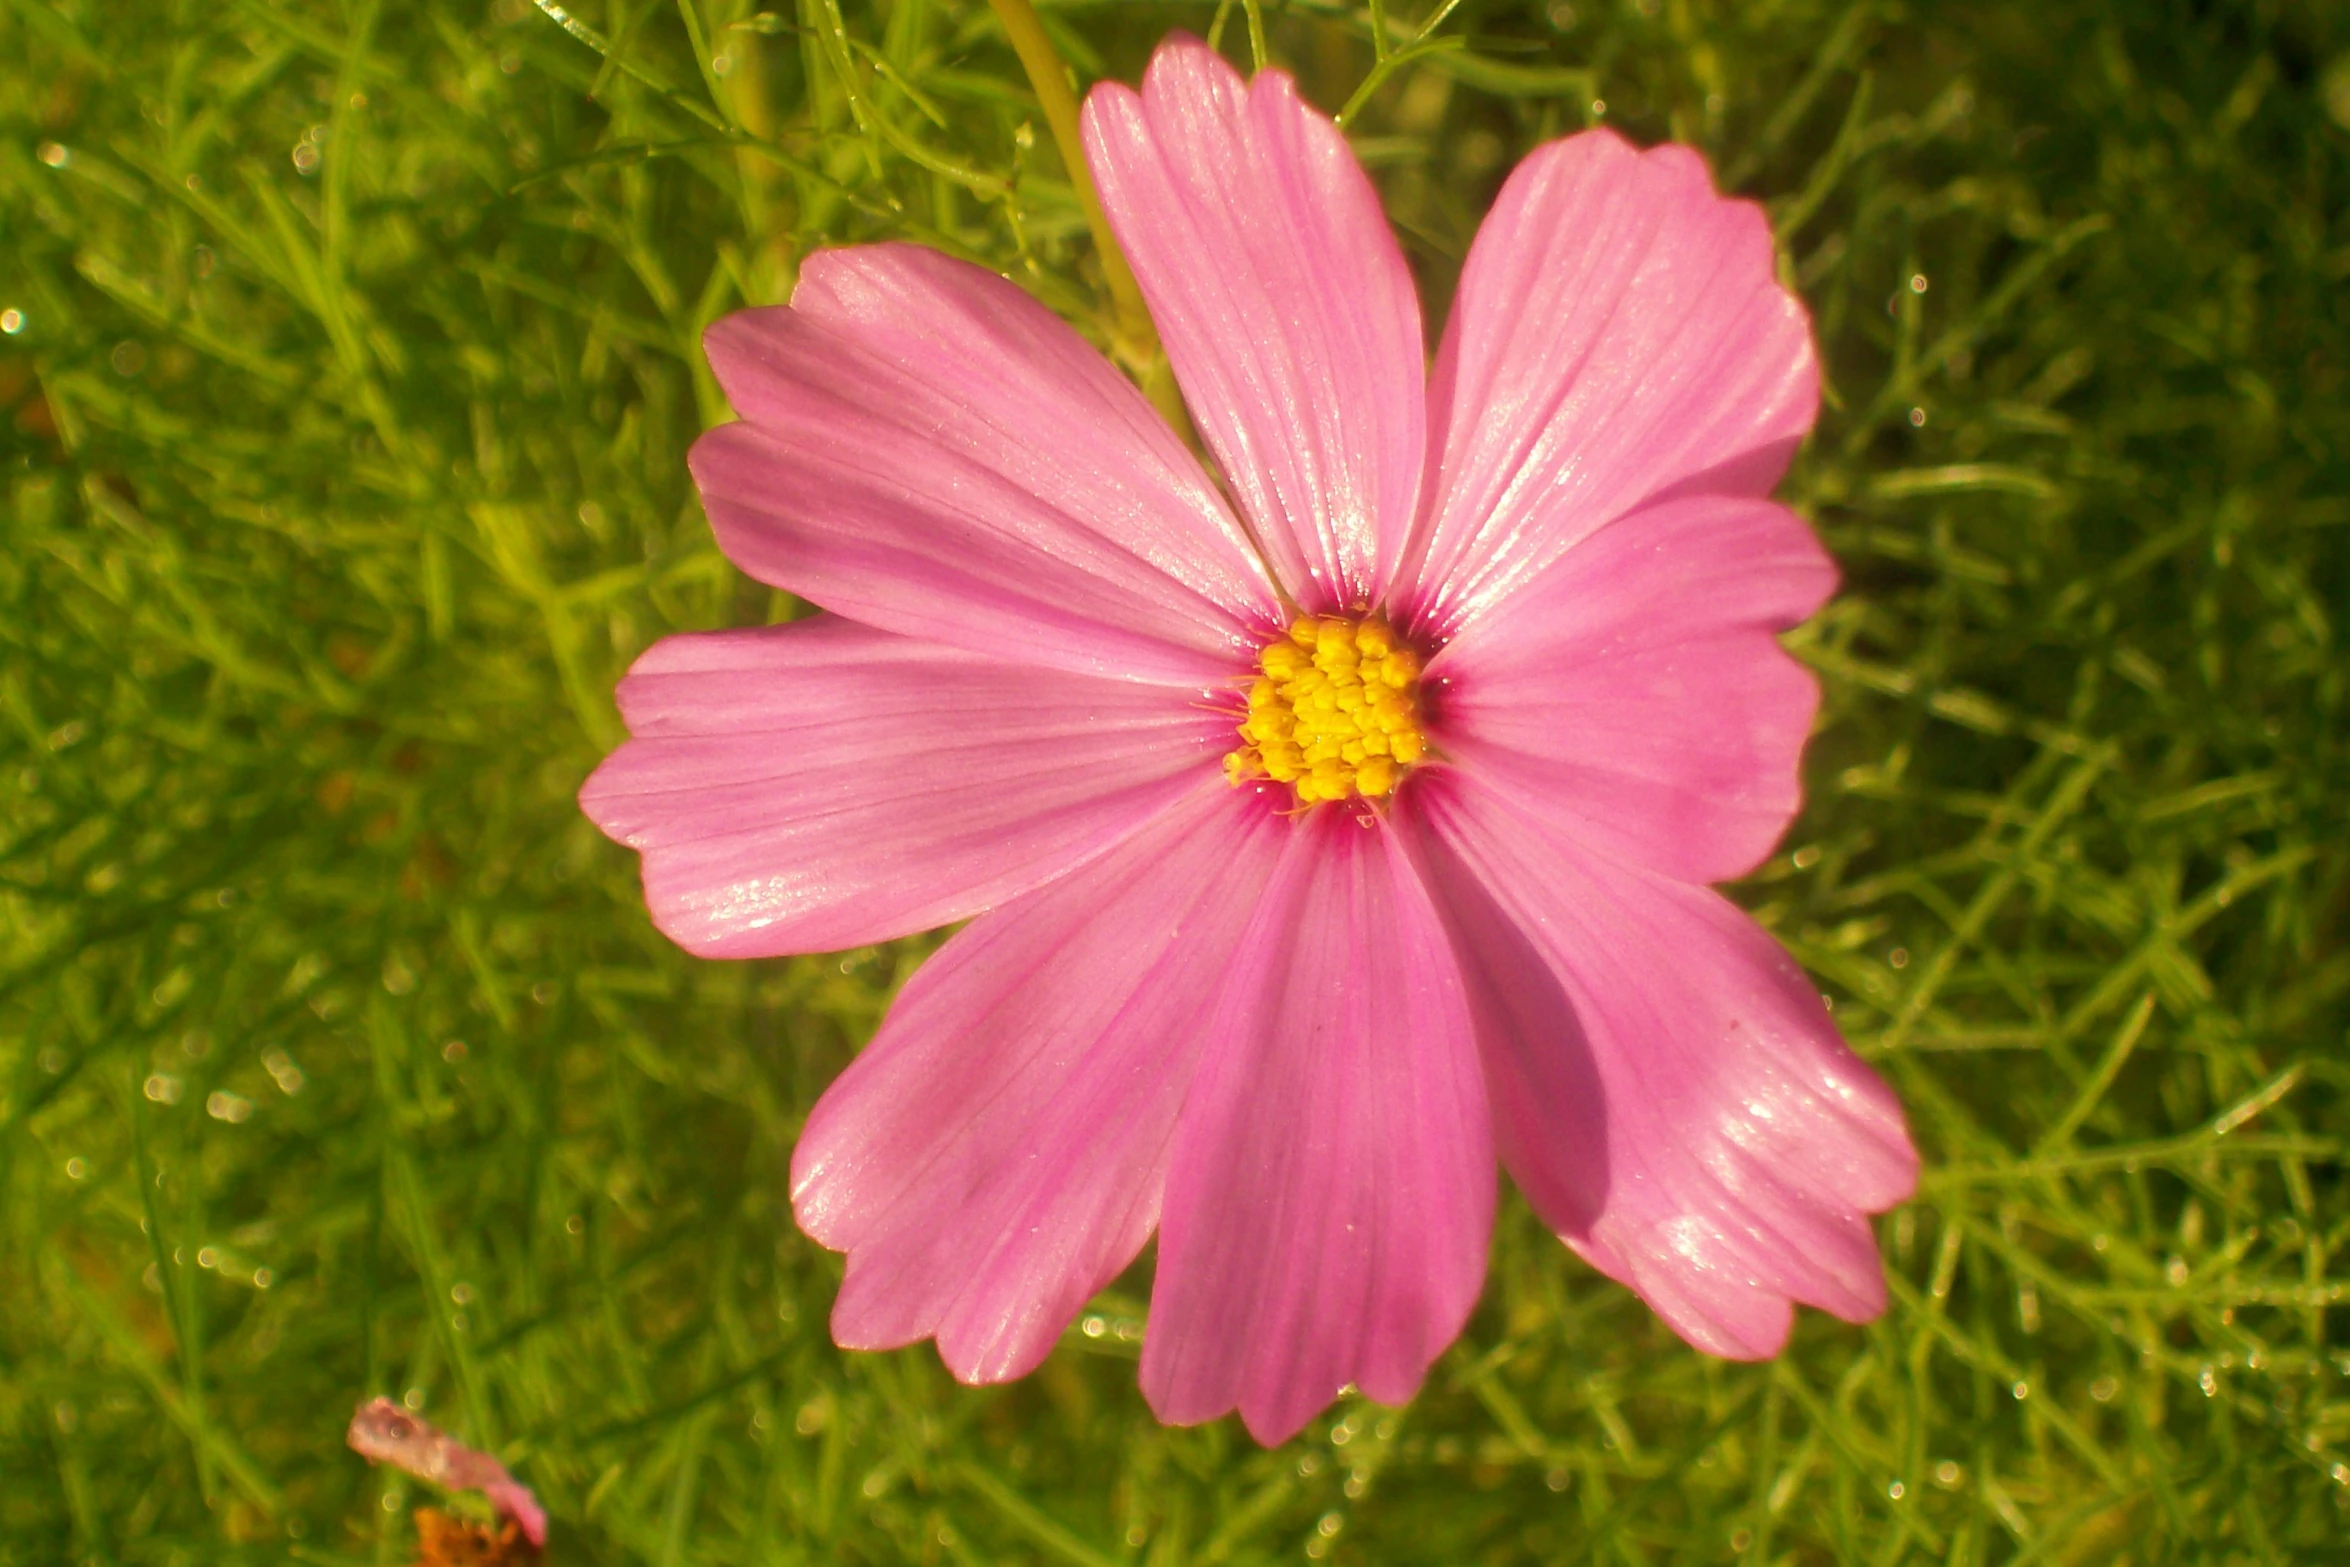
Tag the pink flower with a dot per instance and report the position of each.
(384, 1433)
(1280, 1000)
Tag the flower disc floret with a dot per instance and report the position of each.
(1334, 711)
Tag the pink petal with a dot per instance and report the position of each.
(1285, 306)
(1635, 692)
(822, 785)
(514, 1500)
(384, 1433)
(1331, 1193)
(1667, 1089)
(1619, 334)
(996, 1155)
(926, 449)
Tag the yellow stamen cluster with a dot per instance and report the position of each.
(1335, 712)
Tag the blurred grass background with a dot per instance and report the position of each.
(347, 365)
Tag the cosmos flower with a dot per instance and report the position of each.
(1329, 833)
(384, 1433)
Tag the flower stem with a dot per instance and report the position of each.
(1135, 339)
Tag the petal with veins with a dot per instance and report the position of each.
(821, 785)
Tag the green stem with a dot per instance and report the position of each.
(1136, 340)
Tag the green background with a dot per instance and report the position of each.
(342, 421)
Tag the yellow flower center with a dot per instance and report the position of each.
(1334, 712)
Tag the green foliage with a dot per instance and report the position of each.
(352, 367)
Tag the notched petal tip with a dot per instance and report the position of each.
(821, 785)
(1731, 1146)
(1330, 1195)
(1183, 73)
(996, 1155)
(1635, 692)
(1620, 335)
(1288, 314)
(924, 447)
(735, 345)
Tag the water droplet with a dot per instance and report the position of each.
(2104, 1388)
(2022, 1391)
(1917, 283)
(163, 1088)
(76, 1168)
(53, 155)
(263, 1278)
(11, 321)
(1897, 1490)
(1094, 1327)
(222, 1105)
(1946, 1475)
(282, 1071)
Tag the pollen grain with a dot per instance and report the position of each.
(1333, 711)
